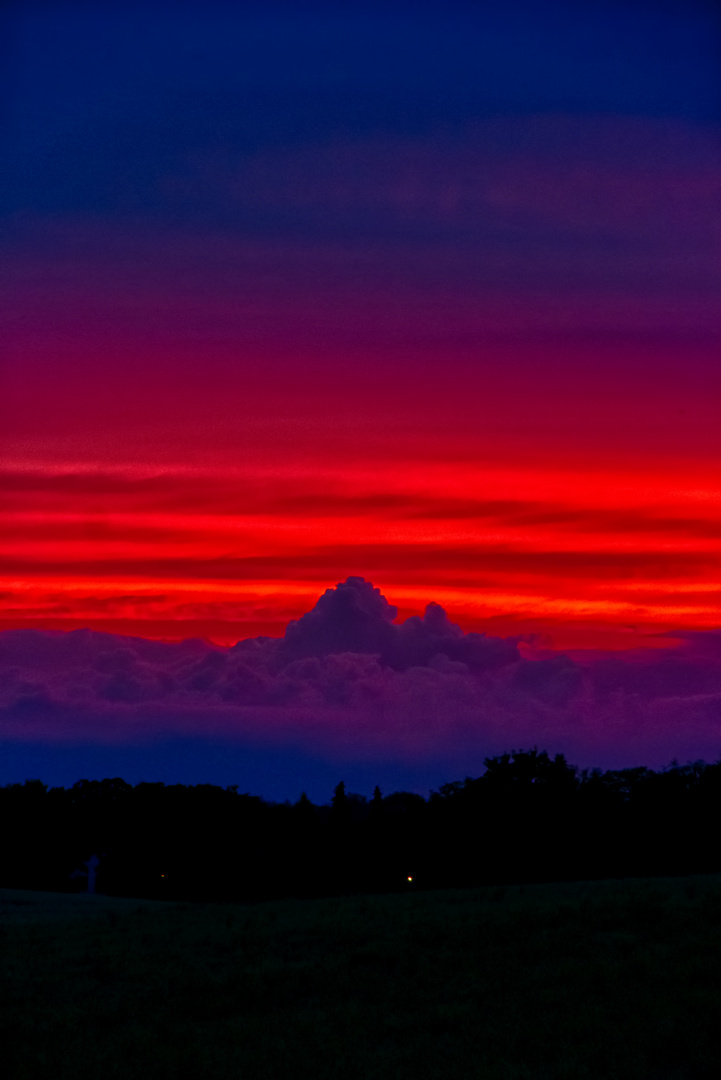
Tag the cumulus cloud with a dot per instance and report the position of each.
(353, 617)
(348, 679)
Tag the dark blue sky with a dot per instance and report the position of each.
(91, 86)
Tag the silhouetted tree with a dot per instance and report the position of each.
(529, 816)
(339, 802)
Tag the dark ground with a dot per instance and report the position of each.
(615, 979)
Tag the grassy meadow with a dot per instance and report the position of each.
(609, 979)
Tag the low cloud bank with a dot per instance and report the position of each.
(351, 684)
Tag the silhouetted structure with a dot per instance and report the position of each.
(88, 874)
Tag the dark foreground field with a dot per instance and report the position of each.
(607, 979)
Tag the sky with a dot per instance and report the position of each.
(422, 294)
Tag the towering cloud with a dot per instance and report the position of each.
(355, 617)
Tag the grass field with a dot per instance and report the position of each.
(605, 979)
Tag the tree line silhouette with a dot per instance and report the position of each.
(529, 817)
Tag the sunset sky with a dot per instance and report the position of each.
(426, 294)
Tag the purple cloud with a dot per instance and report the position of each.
(349, 682)
(353, 617)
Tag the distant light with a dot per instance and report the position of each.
(162, 875)
(409, 878)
